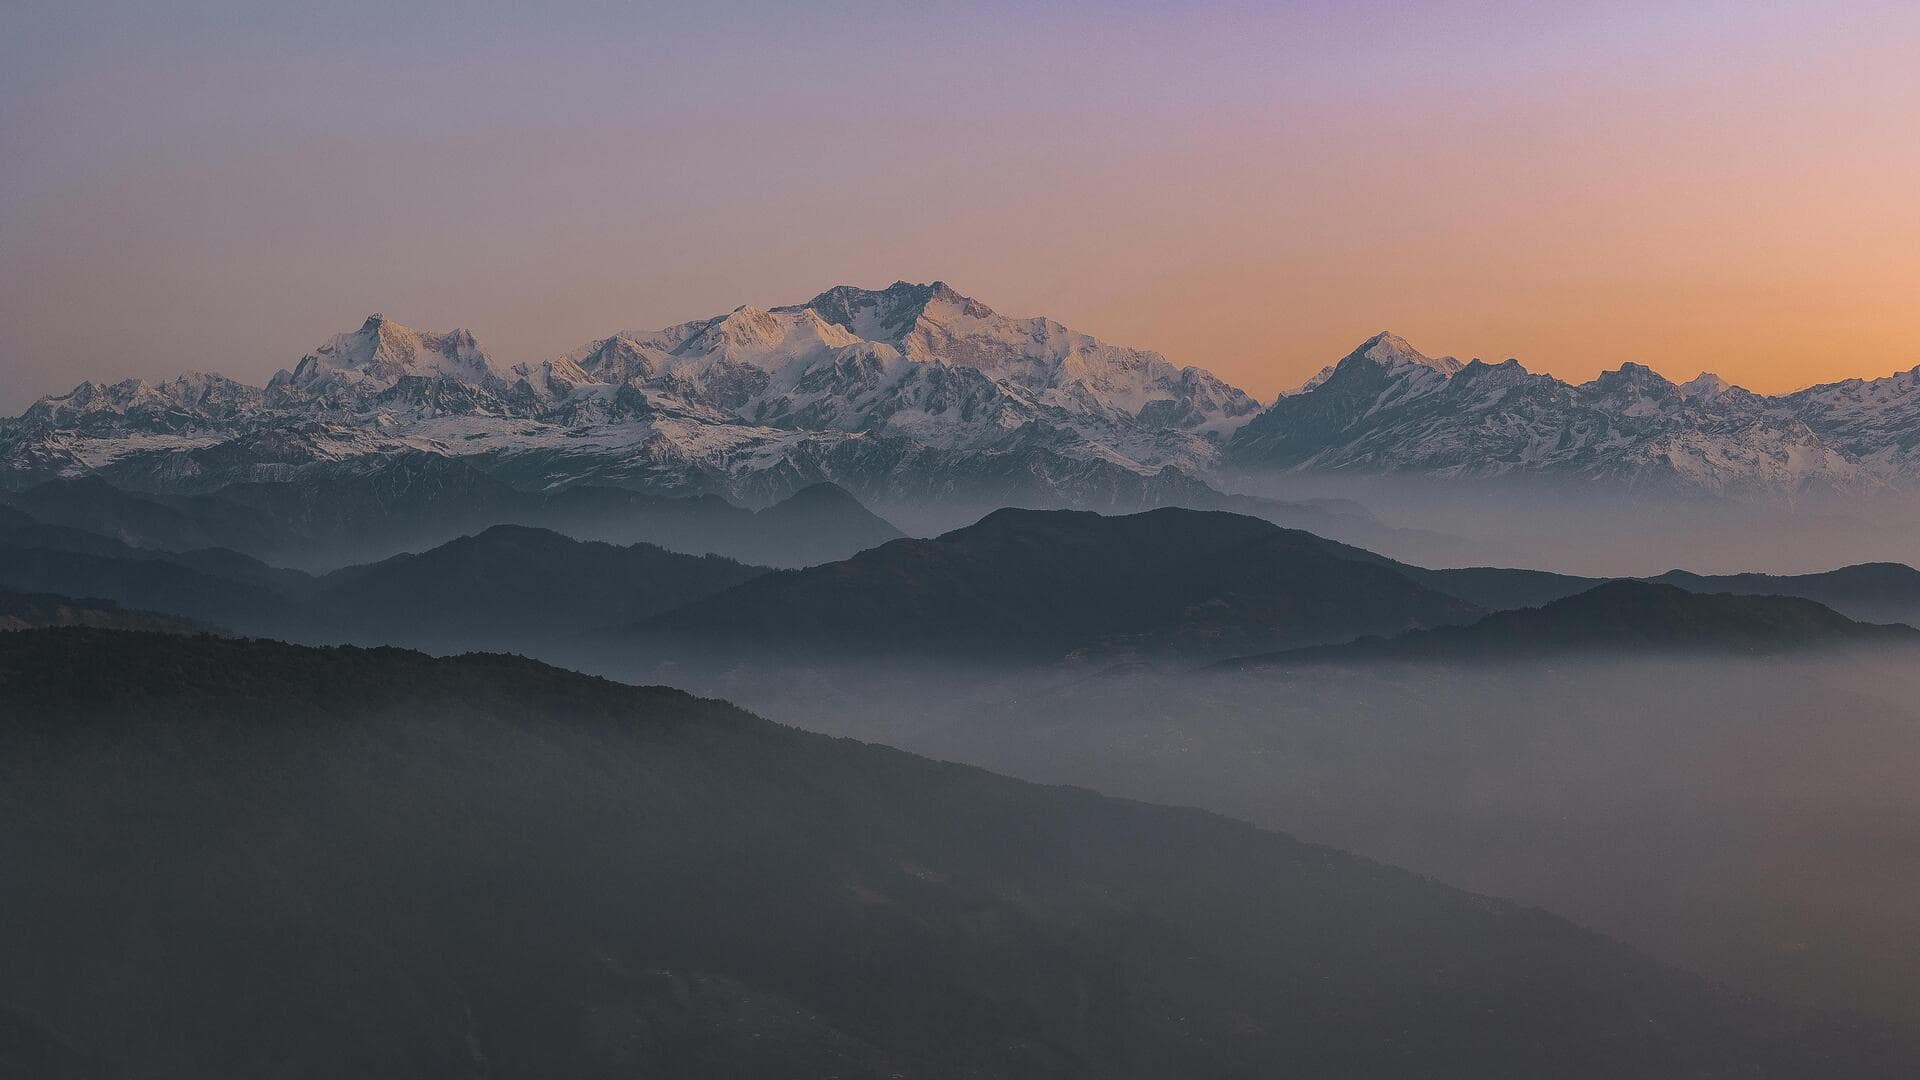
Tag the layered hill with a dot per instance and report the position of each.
(507, 586)
(372, 507)
(1869, 592)
(236, 858)
(1623, 617)
(1874, 592)
(25, 611)
(209, 588)
(1039, 585)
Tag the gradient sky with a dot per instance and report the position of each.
(1253, 188)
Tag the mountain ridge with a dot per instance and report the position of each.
(1045, 584)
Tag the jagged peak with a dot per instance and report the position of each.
(1630, 375)
(387, 350)
(890, 313)
(1317, 378)
(1388, 349)
(1706, 385)
(189, 388)
(1505, 373)
(749, 331)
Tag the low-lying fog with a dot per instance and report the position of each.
(1757, 820)
(1575, 527)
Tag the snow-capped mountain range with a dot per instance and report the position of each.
(917, 392)
(904, 392)
(1386, 408)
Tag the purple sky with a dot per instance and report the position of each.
(1252, 188)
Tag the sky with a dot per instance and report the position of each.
(1253, 188)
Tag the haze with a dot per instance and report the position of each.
(1711, 185)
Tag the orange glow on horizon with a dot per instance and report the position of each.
(1714, 186)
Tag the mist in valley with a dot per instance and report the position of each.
(1753, 819)
(1570, 526)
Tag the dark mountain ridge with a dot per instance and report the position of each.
(1035, 584)
(1874, 592)
(515, 584)
(1619, 616)
(1869, 592)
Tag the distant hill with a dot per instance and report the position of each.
(333, 514)
(1038, 584)
(1498, 589)
(220, 562)
(23, 611)
(1620, 616)
(93, 505)
(147, 581)
(507, 586)
(513, 584)
(241, 858)
(816, 524)
(1875, 592)
(1870, 592)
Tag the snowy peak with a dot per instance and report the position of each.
(1705, 386)
(767, 339)
(1630, 376)
(926, 359)
(1634, 390)
(873, 385)
(1875, 419)
(382, 352)
(892, 313)
(387, 367)
(184, 402)
(1389, 350)
(1382, 411)
(613, 360)
(1318, 377)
